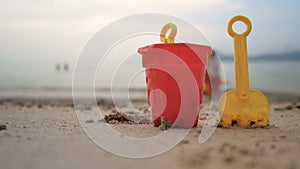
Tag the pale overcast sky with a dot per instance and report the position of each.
(47, 29)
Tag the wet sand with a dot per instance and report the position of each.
(45, 133)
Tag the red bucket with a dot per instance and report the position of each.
(195, 58)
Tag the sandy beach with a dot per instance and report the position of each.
(45, 133)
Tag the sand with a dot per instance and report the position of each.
(45, 133)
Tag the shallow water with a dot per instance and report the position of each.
(271, 76)
(277, 76)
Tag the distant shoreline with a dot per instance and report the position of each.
(138, 93)
(295, 56)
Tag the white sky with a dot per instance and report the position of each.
(49, 29)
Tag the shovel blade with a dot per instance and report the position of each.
(249, 112)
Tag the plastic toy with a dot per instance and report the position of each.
(243, 107)
(162, 62)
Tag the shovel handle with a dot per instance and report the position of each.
(172, 33)
(240, 56)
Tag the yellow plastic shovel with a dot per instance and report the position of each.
(243, 107)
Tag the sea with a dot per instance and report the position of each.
(51, 79)
(272, 76)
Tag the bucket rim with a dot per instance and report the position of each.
(177, 45)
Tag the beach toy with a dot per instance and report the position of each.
(243, 106)
(166, 107)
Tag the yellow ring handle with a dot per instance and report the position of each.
(243, 19)
(172, 34)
